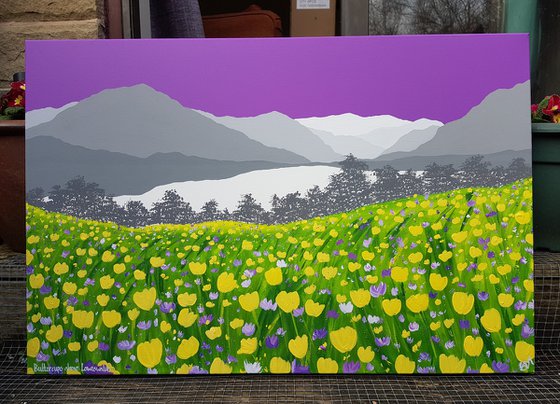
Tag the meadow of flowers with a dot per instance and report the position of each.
(429, 284)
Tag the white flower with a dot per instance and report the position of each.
(346, 307)
(254, 367)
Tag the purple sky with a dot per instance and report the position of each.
(411, 77)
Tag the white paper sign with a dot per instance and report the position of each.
(313, 4)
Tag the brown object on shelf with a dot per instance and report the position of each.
(12, 184)
(313, 21)
(251, 23)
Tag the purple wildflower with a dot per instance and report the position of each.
(378, 290)
(248, 329)
(299, 368)
(464, 324)
(426, 370)
(205, 320)
(272, 341)
(424, 356)
(145, 325)
(166, 307)
(268, 305)
(196, 370)
(298, 312)
(103, 346)
(351, 367)
(413, 327)
(527, 331)
(126, 345)
(170, 359)
(41, 357)
(319, 334)
(332, 314)
(500, 367)
(382, 341)
(483, 295)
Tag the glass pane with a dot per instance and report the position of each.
(392, 17)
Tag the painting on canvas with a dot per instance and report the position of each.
(305, 205)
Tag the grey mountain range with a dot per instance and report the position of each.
(278, 130)
(51, 161)
(132, 139)
(499, 122)
(140, 121)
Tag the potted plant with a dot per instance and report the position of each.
(12, 165)
(546, 172)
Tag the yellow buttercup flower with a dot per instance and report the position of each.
(107, 256)
(327, 365)
(33, 347)
(164, 326)
(329, 272)
(188, 348)
(149, 353)
(226, 282)
(247, 346)
(74, 346)
(246, 245)
(145, 298)
(82, 319)
(249, 301)
(186, 317)
(486, 369)
(524, 351)
(354, 266)
(366, 354)
(197, 268)
(522, 217)
(133, 314)
(399, 274)
(416, 257)
(391, 306)
(51, 302)
(404, 365)
(417, 303)
(236, 323)
(219, 367)
(529, 285)
(473, 345)
(462, 302)
(504, 269)
(54, 333)
(344, 339)
(451, 364)
(415, 230)
(106, 282)
(279, 365)
(36, 281)
(157, 262)
(186, 299)
(445, 256)
(119, 268)
(491, 320)
(111, 318)
(505, 299)
(184, 369)
(102, 299)
(213, 333)
(313, 309)
(360, 297)
(368, 255)
(273, 276)
(287, 301)
(459, 237)
(475, 252)
(298, 346)
(518, 319)
(323, 257)
(60, 268)
(438, 282)
(69, 288)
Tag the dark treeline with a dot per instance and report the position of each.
(352, 187)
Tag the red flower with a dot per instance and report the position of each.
(15, 98)
(553, 107)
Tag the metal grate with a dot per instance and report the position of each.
(542, 387)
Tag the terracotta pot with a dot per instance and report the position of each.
(12, 184)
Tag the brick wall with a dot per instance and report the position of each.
(43, 19)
